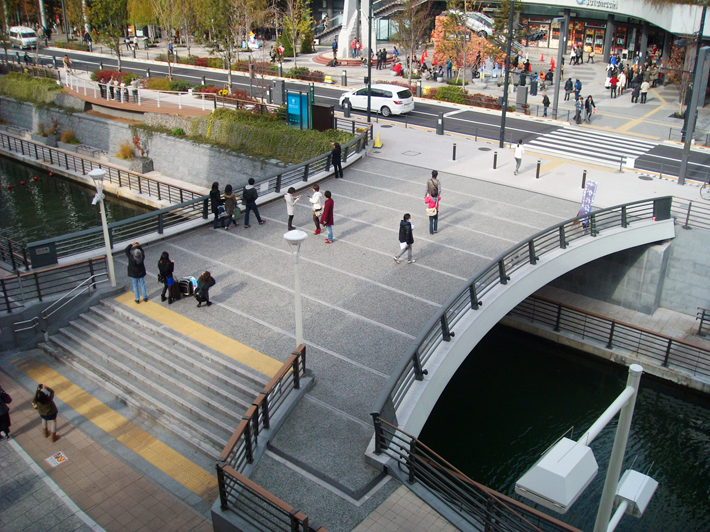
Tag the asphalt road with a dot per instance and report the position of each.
(665, 159)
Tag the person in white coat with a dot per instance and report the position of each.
(317, 203)
(519, 152)
(291, 199)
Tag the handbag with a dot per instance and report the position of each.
(161, 278)
(431, 211)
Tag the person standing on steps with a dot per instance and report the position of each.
(202, 292)
(326, 218)
(336, 159)
(519, 152)
(406, 239)
(166, 267)
(317, 203)
(47, 410)
(136, 269)
(215, 202)
(230, 206)
(249, 197)
(433, 189)
(291, 199)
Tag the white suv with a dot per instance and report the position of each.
(23, 37)
(385, 99)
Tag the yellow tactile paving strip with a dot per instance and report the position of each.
(170, 462)
(217, 341)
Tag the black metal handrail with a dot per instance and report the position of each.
(13, 253)
(82, 165)
(16, 290)
(479, 506)
(412, 366)
(691, 214)
(704, 325)
(658, 348)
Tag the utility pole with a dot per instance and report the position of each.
(691, 112)
(369, 61)
(511, 17)
(564, 31)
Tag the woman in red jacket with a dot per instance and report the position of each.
(327, 216)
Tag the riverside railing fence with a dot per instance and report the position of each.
(662, 350)
(237, 493)
(478, 505)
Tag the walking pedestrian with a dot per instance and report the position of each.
(578, 106)
(569, 87)
(5, 423)
(202, 292)
(635, 91)
(230, 207)
(645, 86)
(449, 67)
(432, 211)
(291, 200)
(249, 198)
(545, 104)
(317, 203)
(166, 267)
(577, 88)
(47, 410)
(613, 82)
(406, 239)
(67, 65)
(621, 85)
(215, 202)
(326, 218)
(433, 189)
(589, 108)
(136, 270)
(519, 152)
(336, 159)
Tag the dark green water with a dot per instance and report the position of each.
(516, 394)
(50, 206)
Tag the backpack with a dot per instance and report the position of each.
(545, 101)
(433, 186)
(221, 212)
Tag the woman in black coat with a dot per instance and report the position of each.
(215, 201)
(335, 157)
(136, 269)
(204, 283)
(166, 267)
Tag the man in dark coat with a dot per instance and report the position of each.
(406, 239)
(136, 269)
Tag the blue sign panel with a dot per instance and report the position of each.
(293, 108)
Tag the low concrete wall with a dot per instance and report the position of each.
(687, 279)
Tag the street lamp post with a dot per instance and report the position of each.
(508, 50)
(294, 239)
(98, 176)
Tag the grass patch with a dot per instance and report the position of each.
(27, 88)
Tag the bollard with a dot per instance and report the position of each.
(54, 61)
(346, 108)
(406, 120)
(268, 96)
(134, 52)
(344, 78)
(584, 179)
(537, 172)
(147, 73)
(419, 88)
(281, 70)
(495, 159)
(454, 151)
(204, 81)
(440, 124)
(622, 160)
(476, 137)
(101, 65)
(18, 57)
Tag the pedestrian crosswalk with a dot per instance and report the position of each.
(590, 145)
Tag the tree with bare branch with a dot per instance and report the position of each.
(412, 26)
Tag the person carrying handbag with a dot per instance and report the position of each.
(432, 211)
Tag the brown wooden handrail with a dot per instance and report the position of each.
(503, 500)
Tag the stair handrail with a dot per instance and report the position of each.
(93, 280)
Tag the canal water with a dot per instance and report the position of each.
(50, 206)
(516, 394)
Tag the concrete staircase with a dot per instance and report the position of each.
(196, 393)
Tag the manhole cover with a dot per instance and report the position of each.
(484, 149)
(385, 126)
(646, 178)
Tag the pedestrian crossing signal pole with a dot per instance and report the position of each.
(508, 50)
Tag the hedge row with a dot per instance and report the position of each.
(27, 88)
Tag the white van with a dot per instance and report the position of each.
(22, 37)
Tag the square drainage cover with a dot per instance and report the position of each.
(411, 153)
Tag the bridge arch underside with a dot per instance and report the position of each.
(420, 399)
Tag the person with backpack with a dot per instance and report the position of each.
(577, 89)
(249, 197)
(230, 207)
(202, 292)
(569, 87)
(433, 190)
(545, 104)
(47, 410)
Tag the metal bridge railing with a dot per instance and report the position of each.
(662, 350)
(237, 493)
(691, 214)
(704, 325)
(412, 366)
(13, 254)
(478, 505)
(16, 290)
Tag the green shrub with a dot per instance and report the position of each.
(158, 84)
(178, 132)
(179, 85)
(307, 43)
(288, 49)
(450, 94)
(71, 45)
(28, 88)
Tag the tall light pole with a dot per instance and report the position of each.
(508, 50)
(98, 175)
(369, 61)
(294, 239)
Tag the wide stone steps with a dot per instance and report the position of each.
(199, 395)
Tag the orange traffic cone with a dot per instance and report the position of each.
(542, 57)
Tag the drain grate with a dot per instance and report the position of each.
(385, 126)
(484, 149)
(645, 178)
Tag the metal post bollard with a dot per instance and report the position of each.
(495, 159)
(54, 62)
(622, 160)
(344, 78)
(440, 124)
(537, 172)
(454, 151)
(101, 65)
(419, 88)
(584, 179)
(346, 108)
(204, 80)
(147, 73)
(134, 52)
(280, 70)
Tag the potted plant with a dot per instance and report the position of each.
(68, 141)
(141, 164)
